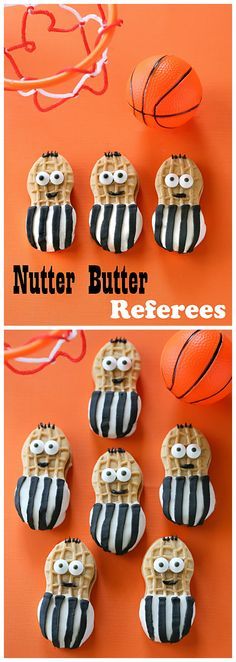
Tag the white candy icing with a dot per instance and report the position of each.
(50, 248)
(185, 507)
(112, 225)
(113, 411)
(113, 527)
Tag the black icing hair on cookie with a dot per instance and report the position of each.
(116, 450)
(47, 425)
(77, 540)
(168, 538)
(46, 154)
(109, 155)
(184, 425)
(115, 340)
(179, 156)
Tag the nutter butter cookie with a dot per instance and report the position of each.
(51, 219)
(178, 223)
(42, 495)
(186, 494)
(117, 521)
(65, 613)
(115, 405)
(167, 610)
(115, 220)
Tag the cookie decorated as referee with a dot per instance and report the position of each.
(186, 494)
(42, 495)
(117, 521)
(178, 223)
(65, 613)
(51, 219)
(167, 610)
(115, 220)
(115, 405)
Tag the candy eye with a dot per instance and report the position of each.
(42, 178)
(186, 181)
(37, 446)
(108, 475)
(176, 564)
(123, 474)
(51, 447)
(178, 451)
(171, 180)
(106, 177)
(56, 177)
(76, 568)
(193, 451)
(120, 176)
(161, 564)
(124, 363)
(60, 567)
(109, 363)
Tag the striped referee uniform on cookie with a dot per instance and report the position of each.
(51, 219)
(178, 223)
(115, 221)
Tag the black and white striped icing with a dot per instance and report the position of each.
(115, 227)
(51, 228)
(64, 620)
(42, 501)
(167, 618)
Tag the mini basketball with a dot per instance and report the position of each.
(164, 91)
(197, 366)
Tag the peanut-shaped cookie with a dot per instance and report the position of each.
(115, 405)
(167, 610)
(51, 219)
(115, 220)
(42, 495)
(117, 521)
(186, 494)
(65, 613)
(178, 222)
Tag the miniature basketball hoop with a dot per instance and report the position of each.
(26, 353)
(93, 64)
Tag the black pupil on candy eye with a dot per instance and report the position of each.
(194, 450)
(56, 176)
(41, 177)
(124, 362)
(36, 445)
(108, 362)
(172, 179)
(186, 179)
(106, 175)
(60, 565)
(50, 445)
(108, 473)
(178, 449)
(161, 564)
(176, 564)
(120, 174)
(75, 567)
(123, 473)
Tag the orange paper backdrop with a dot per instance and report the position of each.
(84, 128)
(61, 394)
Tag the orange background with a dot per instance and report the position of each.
(61, 394)
(84, 128)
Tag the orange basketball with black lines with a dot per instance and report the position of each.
(164, 91)
(197, 366)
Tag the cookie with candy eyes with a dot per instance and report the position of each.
(186, 494)
(117, 521)
(167, 609)
(42, 495)
(115, 405)
(65, 613)
(115, 220)
(178, 223)
(51, 219)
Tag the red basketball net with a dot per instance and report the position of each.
(44, 361)
(29, 46)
